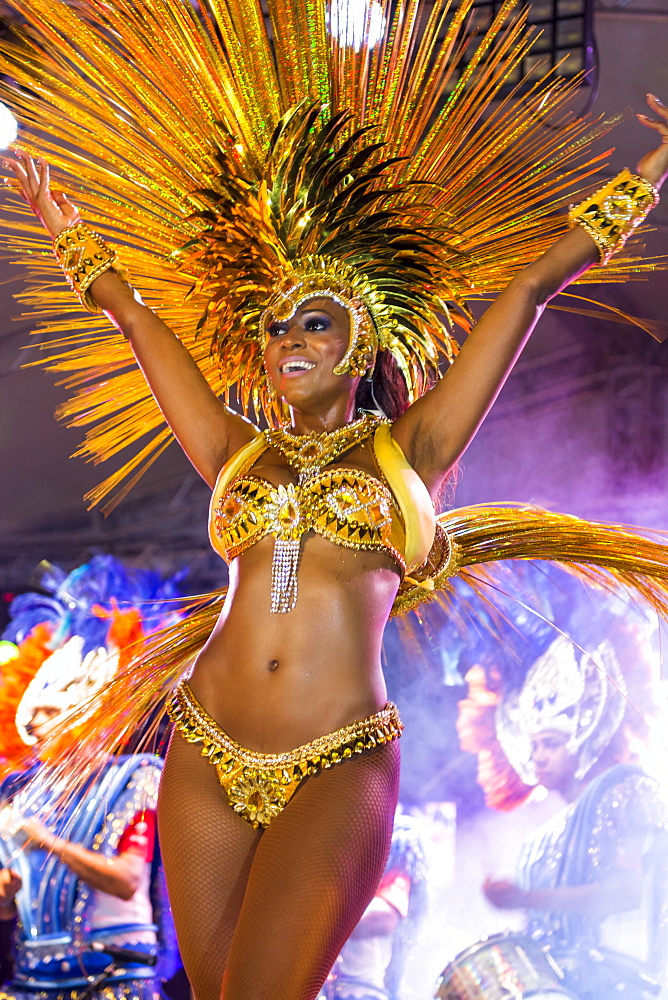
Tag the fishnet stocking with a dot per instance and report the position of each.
(276, 907)
(207, 852)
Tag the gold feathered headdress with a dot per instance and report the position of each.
(246, 158)
(318, 219)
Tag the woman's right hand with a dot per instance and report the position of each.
(52, 208)
(504, 895)
(654, 165)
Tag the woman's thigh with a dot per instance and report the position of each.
(314, 872)
(207, 851)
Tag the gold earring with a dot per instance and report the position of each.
(269, 388)
(358, 362)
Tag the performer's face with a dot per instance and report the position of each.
(555, 767)
(41, 724)
(302, 351)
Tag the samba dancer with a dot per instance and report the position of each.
(267, 683)
(323, 283)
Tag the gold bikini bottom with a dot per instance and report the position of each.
(259, 785)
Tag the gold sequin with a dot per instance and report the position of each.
(259, 785)
(347, 506)
(309, 453)
(612, 214)
(84, 256)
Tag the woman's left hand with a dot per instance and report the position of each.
(654, 166)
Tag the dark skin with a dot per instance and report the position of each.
(264, 677)
(277, 681)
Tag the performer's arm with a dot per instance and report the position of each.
(619, 891)
(10, 883)
(206, 429)
(118, 876)
(438, 427)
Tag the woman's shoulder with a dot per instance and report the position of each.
(632, 798)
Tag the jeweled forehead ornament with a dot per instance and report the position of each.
(297, 288)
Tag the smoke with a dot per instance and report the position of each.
(579, 428)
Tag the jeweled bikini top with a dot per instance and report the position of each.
(347, 506)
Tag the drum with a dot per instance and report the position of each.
(502, 966)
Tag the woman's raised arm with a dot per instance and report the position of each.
(207, 430)
(435, 431)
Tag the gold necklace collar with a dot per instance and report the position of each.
(307, 454)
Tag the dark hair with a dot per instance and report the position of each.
(386, 390)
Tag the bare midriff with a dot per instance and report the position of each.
(276, 681)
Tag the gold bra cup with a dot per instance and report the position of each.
(346, 506)
(392, 512)
(238, 521)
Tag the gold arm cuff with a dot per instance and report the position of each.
(444, 560)
(611, 214)
(84, 256)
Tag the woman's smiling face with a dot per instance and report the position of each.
(302, 352)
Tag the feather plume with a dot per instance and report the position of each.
(164, 118)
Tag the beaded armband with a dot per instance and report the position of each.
(611, 214)
(84, 256)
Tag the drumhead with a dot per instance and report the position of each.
(557, 994)
(499, 967)
(504, 941)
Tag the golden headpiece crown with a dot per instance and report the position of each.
(318, 218)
